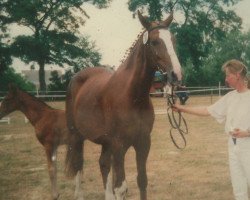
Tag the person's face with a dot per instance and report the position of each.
(232, 79)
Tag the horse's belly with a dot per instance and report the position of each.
(89, 119)
(93, 124)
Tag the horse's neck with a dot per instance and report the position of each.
(32, 108)
(141, 72)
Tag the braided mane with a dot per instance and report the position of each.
(128, 51)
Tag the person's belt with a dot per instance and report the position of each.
(234, 141)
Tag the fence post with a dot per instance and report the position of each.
(219, 89)
(211, 96)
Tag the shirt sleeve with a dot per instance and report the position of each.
(218, 109)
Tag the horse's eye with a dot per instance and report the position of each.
(155, 42)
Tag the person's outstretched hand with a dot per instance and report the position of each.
(177, 107)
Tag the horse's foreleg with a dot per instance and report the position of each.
(105, 165)
(142, 151)
(120, 184)
(52, 168)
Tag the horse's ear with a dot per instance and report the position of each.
(168, 21)
(145, 23)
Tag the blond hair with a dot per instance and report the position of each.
(235, 66)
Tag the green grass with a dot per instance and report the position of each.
(199, 172)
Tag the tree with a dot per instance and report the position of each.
(204, 21)
(5, 56)
(235, 45)
(60, 83)
(54, 37)
(10, 76)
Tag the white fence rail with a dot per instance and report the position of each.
(5, 120)
(190, 90)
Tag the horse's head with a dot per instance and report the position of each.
(10, 101)
(161, 44)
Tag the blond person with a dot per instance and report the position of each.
(233, 109)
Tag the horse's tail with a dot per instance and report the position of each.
(74, 156)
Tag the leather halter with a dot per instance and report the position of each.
(150, 45)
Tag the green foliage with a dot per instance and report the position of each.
(204, 22)
(235, 45)
(5, 55)
(59, 83)
(55, 35)
(10, 76)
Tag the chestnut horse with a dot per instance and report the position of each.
(50, 125)
(115, 110)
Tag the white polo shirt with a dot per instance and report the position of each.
(233, 109)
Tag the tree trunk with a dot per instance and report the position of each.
(42, 76)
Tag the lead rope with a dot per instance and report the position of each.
(177, 121)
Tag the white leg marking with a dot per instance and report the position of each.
(121, 192)
(109, 195)
(78, 189)
(54, 156)
(53, 175)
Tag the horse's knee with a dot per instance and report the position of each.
(101, 162)
(104, 166)
(121, 192)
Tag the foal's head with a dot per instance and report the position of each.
(161, 42)
(10, 102)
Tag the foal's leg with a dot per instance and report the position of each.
(105, 166)
(52, 168)
(142, 149)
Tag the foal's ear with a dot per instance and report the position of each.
(168, 21)
(145, 23)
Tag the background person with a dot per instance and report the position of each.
(182, 94)
(233, 109)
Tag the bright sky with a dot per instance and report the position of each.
(114, 29)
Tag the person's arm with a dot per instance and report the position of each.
(200, 111)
